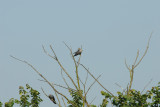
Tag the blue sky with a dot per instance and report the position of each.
(109, 31)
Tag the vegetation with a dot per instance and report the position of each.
(78, 94)
(29, 98)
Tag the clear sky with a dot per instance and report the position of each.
(108, 30)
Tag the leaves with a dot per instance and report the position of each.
(134, 98)
(29, 98)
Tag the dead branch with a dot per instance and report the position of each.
(146, 86)
(64, 102)
(92, 84)
(55, 57)
(43, 78)
(96, 80)
(77, 77)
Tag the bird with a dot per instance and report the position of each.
(51, 97)
(78, 52)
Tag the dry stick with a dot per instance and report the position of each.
(58, 85)
(64, 79)
(92, 84)
(119, 86)
(127, 89)
(64, 102)
(65, 70)
(85, 84)
(127, 65)
(81, 81)
(44, 92)
(63, 87)
(131, 77)
(77, 76)
(86, 79)
(74, 63)
(146, 85)
(59, 63)
(144, 52)
(96, 80)
(135, 65)
(92, 100)
(43, 78)
(136, 57)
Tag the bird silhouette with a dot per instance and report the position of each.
(78, 52)
(51, 97)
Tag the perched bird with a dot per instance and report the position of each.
(51, 97)
(78, 52)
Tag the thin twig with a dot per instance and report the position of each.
(63, 87)
(59, 64)
(119, 86)
(127, 65)
(81, 81)
(92, 84)
(43, 78)
(44, 92)
(144, 52)
(92, 100)
(48, 53)
(58, 85)
(77, 77)
(136, 57)
(146, 85)
(64, 79)
(96, 80)
(64, 102)
(86, 79)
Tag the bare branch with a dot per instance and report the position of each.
(119, 86)
(146, 85)
(58, 85)
(81, 81)
(61, 66)
(64, 79)
(43, 78)
(92, 84)
(64, 102)
(44, 92)
(144, 52)
(136, 57)
(96, 80)
(71, 53)
(48, 53)
(77, 77)
(86, 79)
(92, 100)
(63, 87)
(127, 65)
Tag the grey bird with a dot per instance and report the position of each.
(51, 97)
(78, 52)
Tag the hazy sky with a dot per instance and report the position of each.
(108, 30)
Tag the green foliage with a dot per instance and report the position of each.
(77, 99)
(25, 96)
(134, 98)
(29, 98)
(1, 104)
(10, 103)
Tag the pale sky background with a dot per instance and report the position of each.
(108, 30)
